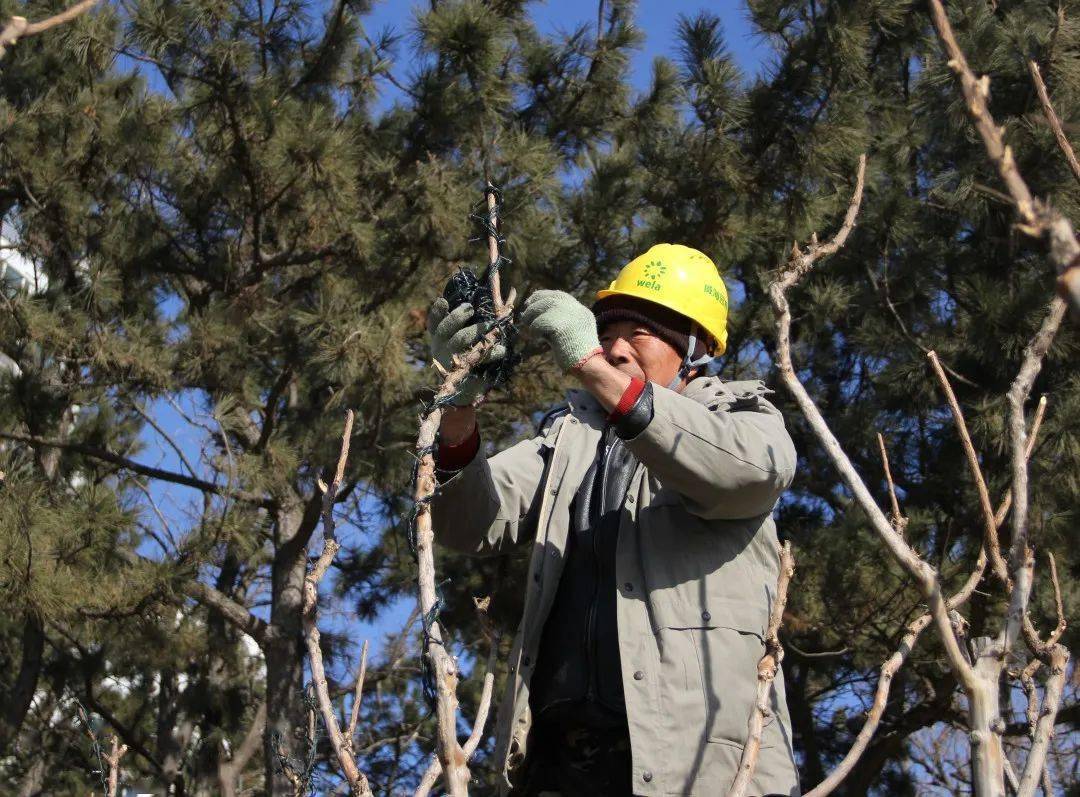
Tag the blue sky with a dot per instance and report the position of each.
(656, 18)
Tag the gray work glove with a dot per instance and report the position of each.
(450, 333)
(564, 323)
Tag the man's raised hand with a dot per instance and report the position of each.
(565, 324)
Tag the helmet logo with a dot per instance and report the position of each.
(653, 272)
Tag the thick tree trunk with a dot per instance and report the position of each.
(802, 721)
(173, 734)
(987, 764)
(22, 693)
(220, 640)
(285, 711)
(33, 779)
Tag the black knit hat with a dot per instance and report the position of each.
(671, 327)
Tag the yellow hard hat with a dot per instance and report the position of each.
(681, 279)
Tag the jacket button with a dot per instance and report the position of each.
(526, 661)
(554, 490)
(706, 616)
(629, 499)
(646, 776)
(536, 577)
(628, 587)
(639, 675)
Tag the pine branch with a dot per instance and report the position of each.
(236, 614)
(143, 470)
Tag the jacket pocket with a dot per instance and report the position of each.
(727, 660)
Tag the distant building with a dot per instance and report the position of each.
(15, 270)
(17, 275)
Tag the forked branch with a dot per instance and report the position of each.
(342, 744)
(452, 757)
(112, 758)
(431, 774)
(1037, 218)
(799, 265)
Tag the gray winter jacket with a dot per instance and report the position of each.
(696, 567)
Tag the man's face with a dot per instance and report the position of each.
(634, 349)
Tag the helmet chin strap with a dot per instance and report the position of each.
(689, 363)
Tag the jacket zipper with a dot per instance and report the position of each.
(590, 617)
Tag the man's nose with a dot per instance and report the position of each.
(617, 351)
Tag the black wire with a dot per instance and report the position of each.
(465, 286)
(100, 771)
(302, 769)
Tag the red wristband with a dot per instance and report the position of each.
(629, 398)
(460, 454)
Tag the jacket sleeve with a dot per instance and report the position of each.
(729, 460)
(486, 505)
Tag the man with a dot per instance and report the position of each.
(648, 502)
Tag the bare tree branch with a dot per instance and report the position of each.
(800, 264)
(899, 521)
(228, 771)
(766, 674)
(1034, 354)
(146, 416)
(19, 28)
(358, 692)
(914, 629)
(434, 769)
(1056, 657)
(1044, 728)
(990, 539)
(343, 747)
(877, 708)
(1052, 118)
(112, 758)
(494, 257)
(981, 676)
(452, 757)
(1037, 218)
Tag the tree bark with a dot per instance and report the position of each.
(802, 719)
(22, 693)
(285, 711)
(984, 722)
